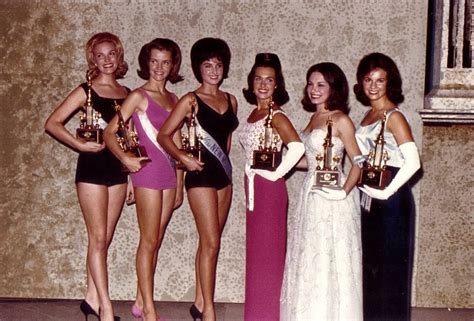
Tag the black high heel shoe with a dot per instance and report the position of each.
(195, 313)
(116, 318)
(87, 310)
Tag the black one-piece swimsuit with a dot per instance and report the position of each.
(101, 168)
(219, 126)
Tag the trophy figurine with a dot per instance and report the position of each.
(89, 129)
(267, 156)
(191, 139)
(374, 172)
(327, 173)
(128, 139)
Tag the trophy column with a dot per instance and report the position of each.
(191, 139)
(327, 173)
(89, 129)
(126, 138)
(267, 156)
(374, 173)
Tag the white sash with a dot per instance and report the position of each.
(213, 147)
(250, 187)
(365, 202)
(151, 132)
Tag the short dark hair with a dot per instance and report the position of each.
(160, 44)
(99, 38)
(208, 48)
(394, 80)
(280, 95)
(335, 77)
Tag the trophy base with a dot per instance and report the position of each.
(268, 160)
(374, 177)
(139, 151)
(194, 153)
(90, 134)
(326, 178)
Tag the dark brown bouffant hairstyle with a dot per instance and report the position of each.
(335, 77)
(160, 44)
(208, 48)
(280, 95)
(101, 38)
(394, 80)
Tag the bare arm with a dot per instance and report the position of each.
(134, 102)
(295, 148)
(171, 125)
(285, 129)
(55, 122)
(233, 101)
(179, 174)
(345, 130)
(400, 128)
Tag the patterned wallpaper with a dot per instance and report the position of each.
(43, 239)
(445, 234)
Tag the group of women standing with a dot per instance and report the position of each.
(326, 270)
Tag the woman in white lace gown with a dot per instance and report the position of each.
(322, 279)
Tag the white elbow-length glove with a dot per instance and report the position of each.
(292, 156)
(411, 165)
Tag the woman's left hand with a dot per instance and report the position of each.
(380, 194)
(178, 200)
(331, 193)
(130, 196)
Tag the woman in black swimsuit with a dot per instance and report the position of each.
(208, 183)
(101, 185)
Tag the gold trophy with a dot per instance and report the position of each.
(191, 140)
(327, 173)
(374, 173)
(267, 156)
(128, 139)
(89, 129)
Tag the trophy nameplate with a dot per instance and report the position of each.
(326, 178)
(327, 173)
(266, 159)
(267, 156)
(374, 172)
(191, 139)
(128, 139)
(374, 177)
(89, 129)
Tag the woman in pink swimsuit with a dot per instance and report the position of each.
(156, 184)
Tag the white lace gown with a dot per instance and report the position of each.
(323, 272)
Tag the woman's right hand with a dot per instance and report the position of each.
(134, 164)
(191, 163)
(90, 147)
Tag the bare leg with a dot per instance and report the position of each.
(94, 202)
(166, 214)
(154, 208)
(116, 197)
(224, 199)
(210, 209)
